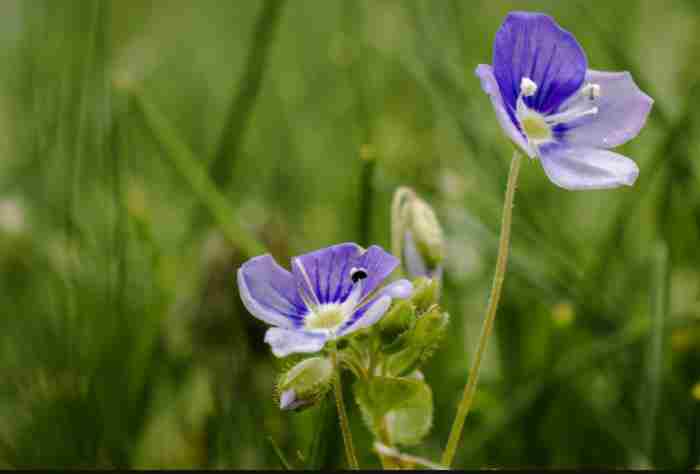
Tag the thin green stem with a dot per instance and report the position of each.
(501, 266)
(342, 414)
(405, 459)
(280, 455)
(387, 463)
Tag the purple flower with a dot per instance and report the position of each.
(556, 109)
(328, 294)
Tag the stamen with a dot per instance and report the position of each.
(592, 91)
(528, 88)
(570, 115)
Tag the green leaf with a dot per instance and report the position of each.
(408, 424)
(404, 405)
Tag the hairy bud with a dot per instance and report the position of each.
(305, 383)
(418, 238)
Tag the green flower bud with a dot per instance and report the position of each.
(426, 293)
(422, 341)
(305, 383)
(426, 232)
(399, 319)
(417, 236)
(431, 326)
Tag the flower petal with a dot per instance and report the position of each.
(367, 315)
(532, 45)
(505, 117)
(379, 265)
(289, 401)
(287, 341)
(399, 289)
(577, 168)
(326, 272)
(269, 292)
(622, 112)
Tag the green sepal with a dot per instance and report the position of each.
(422, 341)
(426, 293)
(310, 379)
(397, 321)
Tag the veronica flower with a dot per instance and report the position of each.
(329, 293)
(556, 109)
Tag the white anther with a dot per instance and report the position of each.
(592, 91)
(527, 87)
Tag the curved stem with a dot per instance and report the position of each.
(387, 462)
(342, 414)
(501, 265)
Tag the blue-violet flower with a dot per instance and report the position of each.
(328, 294)
(556, 109)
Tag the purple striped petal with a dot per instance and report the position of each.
(622, 112)
(367, 315)
(579, 168)
(379, 265)
(532, 45)
(269, 292)
(326, 272)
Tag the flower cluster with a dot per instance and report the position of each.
(335, 302)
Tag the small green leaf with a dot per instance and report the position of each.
(408, 424)
(404, 404)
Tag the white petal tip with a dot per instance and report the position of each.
(400, 289)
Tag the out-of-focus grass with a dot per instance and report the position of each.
(122, 339)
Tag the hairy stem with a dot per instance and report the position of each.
(342, 414)
(501, 265)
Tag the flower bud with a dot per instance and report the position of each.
(305, 383)
(399, 319)
(421, 342)
(426, 293)
(419, 238)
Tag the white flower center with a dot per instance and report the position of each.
(325, 317)
(329, 317)
(538, 127)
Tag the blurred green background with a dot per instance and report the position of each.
(123, 342)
